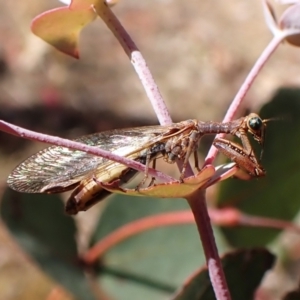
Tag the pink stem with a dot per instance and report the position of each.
(35, 136)
(234, 106)
(134, 228)
(217, 277)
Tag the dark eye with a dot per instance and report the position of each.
(255, 123)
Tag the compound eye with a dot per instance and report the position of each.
(255, 123)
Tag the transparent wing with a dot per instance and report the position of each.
(65, 168)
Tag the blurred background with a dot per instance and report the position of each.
(198, 52)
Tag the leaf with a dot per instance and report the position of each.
(208, 176)
(60, 27)
(154, 263)
(36, 221)
(278, 194)
(289, 23)
(244, 270)
(167, 190)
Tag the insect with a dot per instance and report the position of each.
(58, 169)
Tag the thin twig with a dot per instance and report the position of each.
(214, 265)
(132, 229)
(44, 138)
(235, 104)
(137, 60)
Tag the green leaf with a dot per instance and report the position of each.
(244, 270)
(153, 263)
(38, 224)
(278, 194)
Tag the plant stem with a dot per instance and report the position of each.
(197, 203)
(235, 104)
(54, 140)
(137, 60)
(133, 228)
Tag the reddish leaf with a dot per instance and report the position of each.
(169, 189)
(61, 27)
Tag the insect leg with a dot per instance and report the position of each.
(192, 147)
(147, 162)
(153, 178)
(196, 160)
(148, 156)
(244, 160)
(246, 143)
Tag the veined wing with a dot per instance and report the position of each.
(64, 168)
